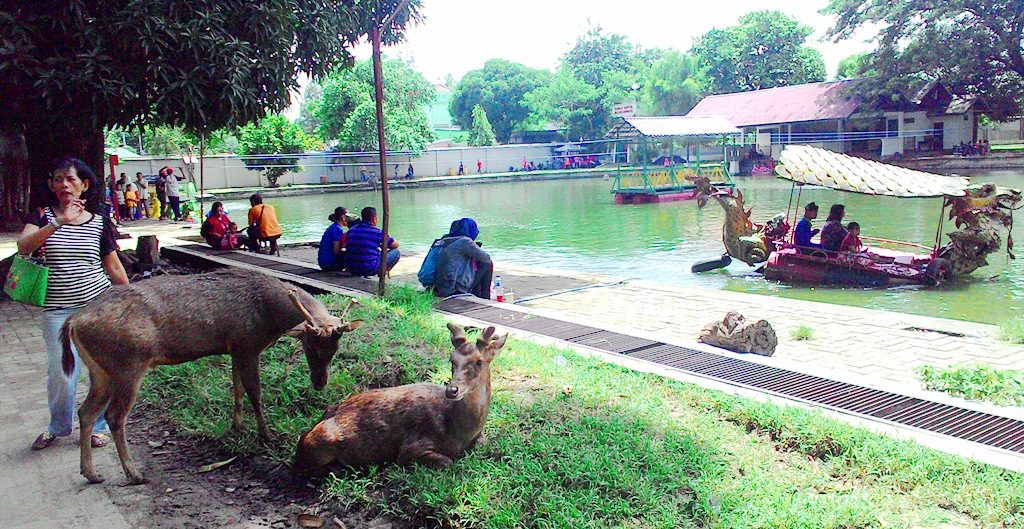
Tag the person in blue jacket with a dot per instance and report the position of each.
(462, 267)
(804, 232)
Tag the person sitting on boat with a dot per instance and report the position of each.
(833, 233)
(851, 243)
(804, 231)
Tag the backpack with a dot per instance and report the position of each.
(426, 275)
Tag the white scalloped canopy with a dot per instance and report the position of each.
(812, 165)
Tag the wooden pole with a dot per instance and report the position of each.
(202, 181)
(378, 87)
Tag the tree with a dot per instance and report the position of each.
(272, 135)
(853, 66)
(597, 53)
(981, 43)
(764, 50)
(308, 120)
(673, 85)
(570, 101)
(69, 69)
(499, 88)
(481, 135)
(346, 110)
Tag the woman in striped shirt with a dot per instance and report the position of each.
(79, 247)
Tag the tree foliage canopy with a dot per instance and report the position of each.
(481, 134)
(69, 69)
(499, 88)
(853, 66)
(673, 85)
(982, 44)
(346, 110)
(273, 135)
(764, 50)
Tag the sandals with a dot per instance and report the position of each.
(46, 439)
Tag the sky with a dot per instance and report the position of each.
(460, 35)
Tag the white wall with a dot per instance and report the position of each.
(221, 172)
(956, 128)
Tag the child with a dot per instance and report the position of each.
(851, 243)
(122, 208)
(131, 202)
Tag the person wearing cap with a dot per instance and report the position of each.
(331, 256)
(804, 231)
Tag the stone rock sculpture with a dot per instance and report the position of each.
(737, 334)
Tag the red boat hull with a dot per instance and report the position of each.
(789, 265)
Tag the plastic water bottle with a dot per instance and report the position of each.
(498, 291)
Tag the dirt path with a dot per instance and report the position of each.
(249, 493)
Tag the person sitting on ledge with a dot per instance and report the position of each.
(219, 231)
(263, 224)
(462, 267)
(331, 256)
(362, 246)
(804, 232)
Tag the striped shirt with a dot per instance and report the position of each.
(362, 249)
(74, 255)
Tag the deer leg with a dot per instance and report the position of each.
(239, 390)
(99, 394)
(434, 459)
(249, 373)
(422, 453)
(117, 415)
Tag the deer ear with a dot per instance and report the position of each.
(348, 327)
(458, 335)
(492, 348)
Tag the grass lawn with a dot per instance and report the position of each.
(575, 442)
(1008, 147)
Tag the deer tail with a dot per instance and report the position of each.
(67, 359)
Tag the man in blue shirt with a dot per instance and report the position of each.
(804, 232)
(362, 246)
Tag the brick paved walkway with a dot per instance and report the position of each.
(867, 346)
(41, 490)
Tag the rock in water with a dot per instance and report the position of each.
(737, 334)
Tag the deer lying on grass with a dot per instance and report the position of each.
(421, 423)
(175, 319)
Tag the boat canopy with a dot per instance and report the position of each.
(668, 126)
(812, 165)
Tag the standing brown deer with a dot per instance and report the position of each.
(130, 329)
(422, 423)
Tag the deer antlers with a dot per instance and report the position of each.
(323, 328)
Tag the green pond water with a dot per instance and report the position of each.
(575, 225)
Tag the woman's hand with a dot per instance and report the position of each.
(72, 211)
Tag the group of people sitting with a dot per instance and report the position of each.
(834, 236)
(352, 244)
(978, 148)
(221, 233)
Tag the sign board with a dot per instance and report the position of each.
(624, 110)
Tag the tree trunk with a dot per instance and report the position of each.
(14, 177)
(48, 143)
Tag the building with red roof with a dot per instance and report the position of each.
(834, 115)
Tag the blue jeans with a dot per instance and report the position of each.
(60, 388)
(392, 258)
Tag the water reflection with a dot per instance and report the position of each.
(574, 225)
